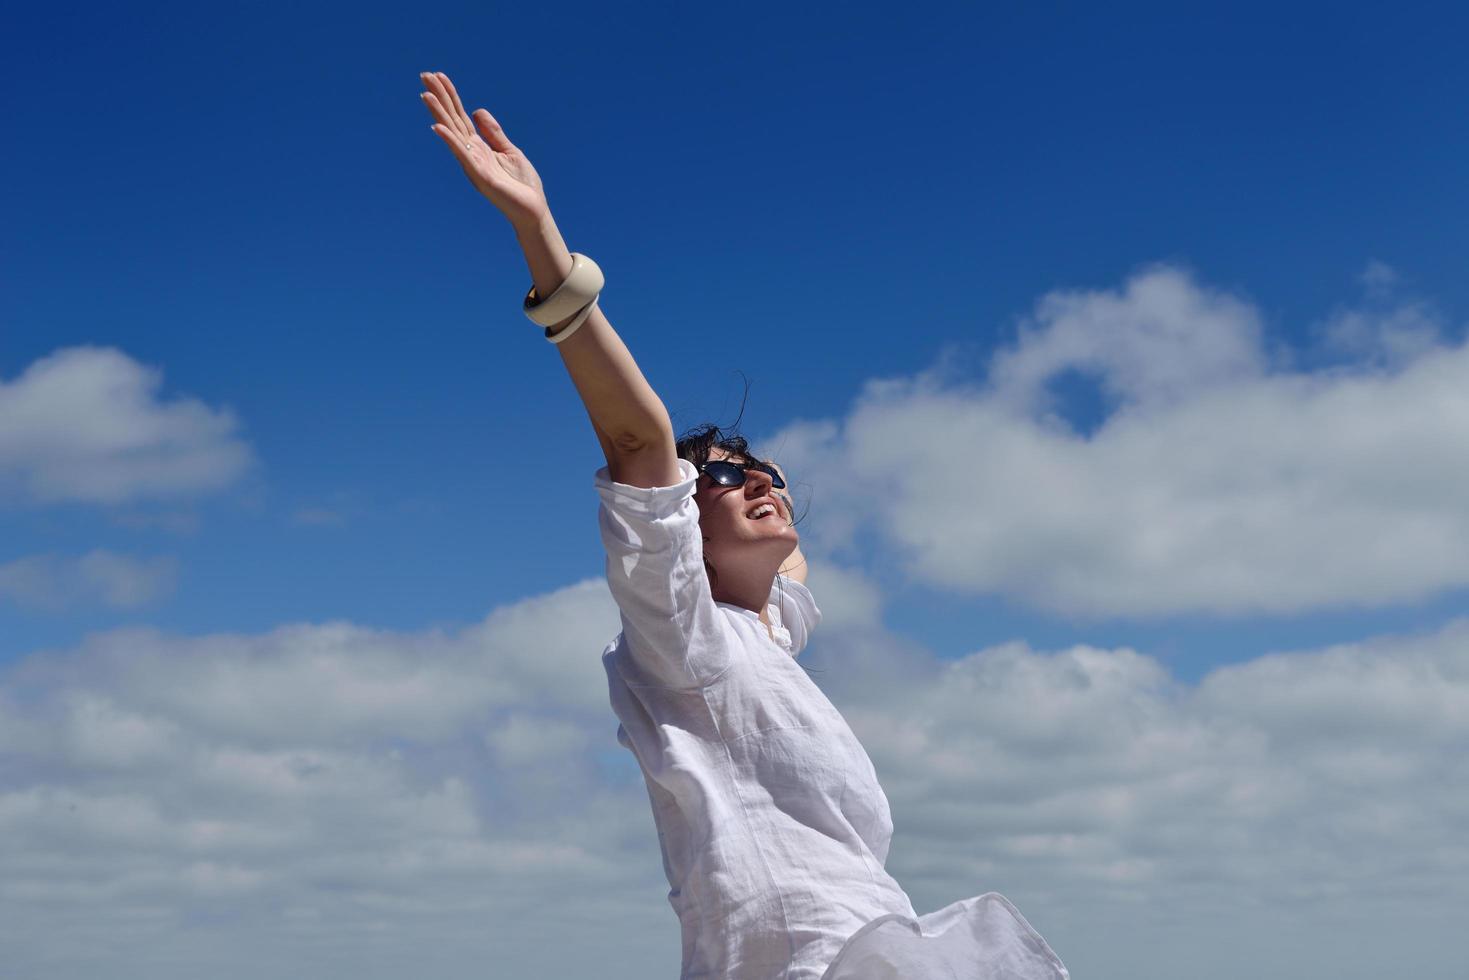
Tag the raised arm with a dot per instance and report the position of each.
(630, 421)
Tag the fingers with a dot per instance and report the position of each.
(456, 143)
(449, 116)
(453, 94)
(446, 119)
(443, 101)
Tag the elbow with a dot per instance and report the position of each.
(627, 443)
(637, 443)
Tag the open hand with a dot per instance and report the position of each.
(494, 165)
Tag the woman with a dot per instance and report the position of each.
(772, 824)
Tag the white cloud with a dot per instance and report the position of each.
(847, 598)
(1221, 483)
(339, 507)
(329, 793)
(1161, 340)
(1393, 337)
(1379, 278)
(85, 424)
(54, 583)
(350, 798)
(1384, 332)
(530, 740)
(1304, 787)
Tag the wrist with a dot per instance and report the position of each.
(535, 226)
(546, 254)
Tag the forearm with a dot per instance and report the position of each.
(621, 403)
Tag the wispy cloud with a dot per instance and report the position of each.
(319, 516)
(55, 583)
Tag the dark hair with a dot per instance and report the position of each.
(695, 445)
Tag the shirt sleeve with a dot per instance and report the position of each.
(676, 636)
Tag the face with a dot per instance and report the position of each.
(729, 531)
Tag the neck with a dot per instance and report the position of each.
(747, 582)
(749, 591)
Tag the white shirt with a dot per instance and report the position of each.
(773, 827)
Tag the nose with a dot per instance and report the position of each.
(757, 483)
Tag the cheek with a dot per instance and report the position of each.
(717, 519)
(707, 521)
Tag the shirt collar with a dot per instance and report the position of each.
(739, 609)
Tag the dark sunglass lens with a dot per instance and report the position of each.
(724, 474)
(775, 480)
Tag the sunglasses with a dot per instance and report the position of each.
(728, 474)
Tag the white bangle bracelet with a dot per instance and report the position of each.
(570, 328)
(574, 297)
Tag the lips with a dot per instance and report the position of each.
(773, 512)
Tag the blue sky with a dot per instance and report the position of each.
(350, 421)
